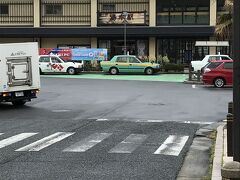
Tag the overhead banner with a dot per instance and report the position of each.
(65, 54)
(87, 54)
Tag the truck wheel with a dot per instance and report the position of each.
(18, 102)
(71, 71)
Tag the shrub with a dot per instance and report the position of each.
(173, 67)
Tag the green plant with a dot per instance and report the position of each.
(173, 67)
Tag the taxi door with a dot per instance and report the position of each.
(135, 65)
(57, 65)
(45, 64)
(122, 64)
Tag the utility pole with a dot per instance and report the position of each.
(236, 80)
(125, 15)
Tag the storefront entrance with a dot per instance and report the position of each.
(180, 51)
(116, 47)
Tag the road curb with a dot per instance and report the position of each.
(193, 82)
(218, 154)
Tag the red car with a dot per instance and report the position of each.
(218, 73)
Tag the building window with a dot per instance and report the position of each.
(189, 15)
(180, 50)
(108, 7)
(3, 9)
(53, 9)
(184, 12)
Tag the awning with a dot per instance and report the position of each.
(212, 43)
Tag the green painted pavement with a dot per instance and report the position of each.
(157, 77)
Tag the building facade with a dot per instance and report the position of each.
(154, 28)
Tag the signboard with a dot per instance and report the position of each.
(212, 43)
(65, 54)
(118, 18)
(88, 54)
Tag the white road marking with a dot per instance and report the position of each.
(198, 122)
(172, 145)
(60, 110)
(129, 144)
(159, 121)
(102, 119)
(14, 139)
(1, 134)
(193, 86)
(88, 142)
(45, 142)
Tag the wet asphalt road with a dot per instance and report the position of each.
(153, 110)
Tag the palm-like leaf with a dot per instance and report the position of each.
(224, 22)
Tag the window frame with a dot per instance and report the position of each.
(42, 59)
(228, 63)
(54, 7)
(2, 6)
(118, 58)
(108, 7)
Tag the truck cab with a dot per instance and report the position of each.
(54, 64)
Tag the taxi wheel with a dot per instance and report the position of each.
(113, 71)
(149, 71)
(219, 82)
(71, 71)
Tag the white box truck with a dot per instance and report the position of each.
(19, 72)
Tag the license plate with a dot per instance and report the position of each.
(18, 94)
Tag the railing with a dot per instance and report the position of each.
(16, 14)
(66, 13)
(194, 76)
(110, 12)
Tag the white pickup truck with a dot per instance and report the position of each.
(54, 64)
(19, 75)
(198, 65)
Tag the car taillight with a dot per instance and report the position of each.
(206, 70)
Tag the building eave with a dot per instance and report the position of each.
(113, 31)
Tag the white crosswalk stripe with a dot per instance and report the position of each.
(14, 139)
(129, 144)
(172, 145)
(45, 142)
(88, 142)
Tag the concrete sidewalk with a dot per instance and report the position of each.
(220, 156)
(196, 163)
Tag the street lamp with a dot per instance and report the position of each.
(125, 15)
(236, 81)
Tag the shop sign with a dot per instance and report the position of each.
(76, 53)
(212, 43)
(89, 54)
(118, 18)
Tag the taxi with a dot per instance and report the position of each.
(54, 64)
(128, 64)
